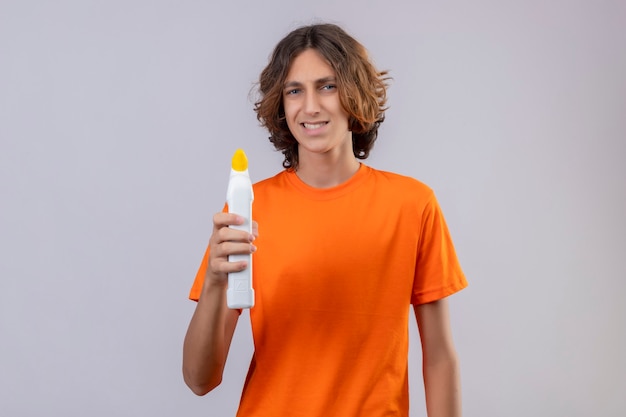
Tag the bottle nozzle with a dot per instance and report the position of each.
(240, 162)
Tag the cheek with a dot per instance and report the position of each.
(344, 115)
(288, 107)
(338, 109)
(289, 116)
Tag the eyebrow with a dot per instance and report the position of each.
(324, 80)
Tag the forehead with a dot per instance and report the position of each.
(309, 65)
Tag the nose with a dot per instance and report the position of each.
(311, 103)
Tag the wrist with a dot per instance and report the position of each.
(214, 284)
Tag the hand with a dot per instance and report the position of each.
(226, 241)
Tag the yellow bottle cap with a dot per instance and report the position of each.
(240, 162)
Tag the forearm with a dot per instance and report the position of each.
(443, 387)
(205, 346)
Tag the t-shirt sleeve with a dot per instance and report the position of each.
(438, 273)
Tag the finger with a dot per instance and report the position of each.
(223, 219)
(226, 234)
(227, 267)
(225, 249)
(255, 229)
(221, 223)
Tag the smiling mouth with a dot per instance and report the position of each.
(314, 125)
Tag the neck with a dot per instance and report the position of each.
(325, 171)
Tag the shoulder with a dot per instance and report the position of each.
(401, 183)
(273, 181)
(272, 186)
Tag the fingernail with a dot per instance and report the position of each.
(253, 248)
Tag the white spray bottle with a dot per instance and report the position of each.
(239, 197)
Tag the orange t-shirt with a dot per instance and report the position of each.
(334, 275)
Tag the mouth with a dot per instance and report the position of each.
(313, 125)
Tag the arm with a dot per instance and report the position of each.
(440, 362)
(212, 326)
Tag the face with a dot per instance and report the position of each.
(312, 108)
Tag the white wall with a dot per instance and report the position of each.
(117, 123)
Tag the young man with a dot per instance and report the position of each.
(344, 251)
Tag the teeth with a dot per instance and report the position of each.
(313, 126)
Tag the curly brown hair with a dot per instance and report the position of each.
(362, 88)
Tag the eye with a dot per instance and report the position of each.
(329, 87)
(292, 92)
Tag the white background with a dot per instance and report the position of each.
(118, 120)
